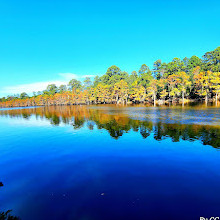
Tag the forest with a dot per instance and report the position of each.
(179, 81)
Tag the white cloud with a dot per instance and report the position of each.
(29, 88)
(69, 76)
(91, 76)
(40, 86)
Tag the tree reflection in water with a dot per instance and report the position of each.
(118, 122)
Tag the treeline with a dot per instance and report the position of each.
(191, 78)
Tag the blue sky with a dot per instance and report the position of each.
(52, 41)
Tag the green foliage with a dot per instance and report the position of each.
(193, 62)
(174, 66)
(112, 75)
(97, 80)
(23, 95)
(131, 79)
(74, 84)
(159, 69)
(87, 83)
(62, 88)
(113, 70)
(51, 89)
(144, 69)
(212, 60)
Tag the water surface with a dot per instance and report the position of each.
(110, 162)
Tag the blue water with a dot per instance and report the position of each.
(90, 163)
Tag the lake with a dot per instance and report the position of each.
(105, 162)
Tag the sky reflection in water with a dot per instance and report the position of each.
(109, 162)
